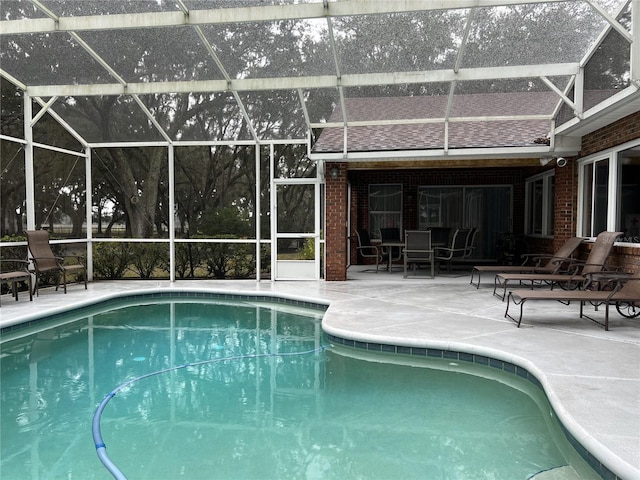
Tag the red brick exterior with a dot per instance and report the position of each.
(566, 191)
(336, 222)
(617, 133)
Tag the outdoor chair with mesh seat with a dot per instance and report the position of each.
(624, 294)
(14, 271)
(576, 272)
(366, 249)
(533, 262)
(45, 262)
(417, 250)
(456, 250)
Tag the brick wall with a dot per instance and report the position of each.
(336, 223)
(617, 133)
(566, 187)
(622, 131)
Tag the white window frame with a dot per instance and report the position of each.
(399, 213)
(548, 196)
(613, 194)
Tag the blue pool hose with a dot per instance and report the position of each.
(101, 448)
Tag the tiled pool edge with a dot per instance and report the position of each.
(483, 360)
(163, 294)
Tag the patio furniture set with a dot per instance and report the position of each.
(591, 281)
(419, 247)
(44, 262)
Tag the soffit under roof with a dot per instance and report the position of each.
(271, 70)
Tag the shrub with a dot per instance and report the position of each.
(149, 257)
(111, 260)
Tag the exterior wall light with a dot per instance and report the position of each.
(335, 173)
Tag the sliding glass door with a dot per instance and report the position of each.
(489, 208)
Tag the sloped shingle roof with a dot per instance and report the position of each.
(462, 134)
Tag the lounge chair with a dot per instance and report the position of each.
(533, 263)
(625, 295)
(576, 271)
(14, 271)
(417, 249)
(366, 249)
(44, 261)
(456, 250)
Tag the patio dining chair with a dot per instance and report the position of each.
(366, 249)
(417, 250)
(45, 262)
(456, 250)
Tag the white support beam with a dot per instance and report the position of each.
(89, 211)
(635, 45)
(43, 110)
(64, 124)
(242, 14)
(560, 93)
(29, 172)
(611, 20)
(152, 119)
(319, 81)
(437, 120)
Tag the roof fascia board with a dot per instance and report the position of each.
(452, 154)
(577, 126)
(319, 81)
(242, 14)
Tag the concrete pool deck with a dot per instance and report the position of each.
(592, 377)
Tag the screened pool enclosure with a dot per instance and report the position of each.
(177, 138)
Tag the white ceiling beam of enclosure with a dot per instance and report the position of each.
(243, 14)
(319, 81)
(611, 20)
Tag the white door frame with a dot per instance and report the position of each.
(295, 269)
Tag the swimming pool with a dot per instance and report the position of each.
(258, 393)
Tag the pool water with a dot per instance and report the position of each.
(259, 394)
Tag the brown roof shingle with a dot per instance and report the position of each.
(465, 134)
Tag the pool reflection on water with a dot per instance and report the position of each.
(247, 412)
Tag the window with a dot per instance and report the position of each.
(539, 191)
(385, 208)
(610, 193)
